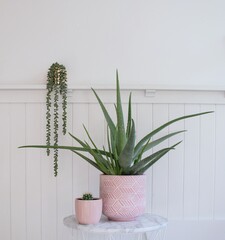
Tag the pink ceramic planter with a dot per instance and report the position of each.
(88, 211)
(124, 197)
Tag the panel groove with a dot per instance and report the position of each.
(26, 171)
(168, 165)
(10, 156)
(41, 174)
(214, 171)
(184, 161)
(199, 170)
(88, 127)
(57, 207)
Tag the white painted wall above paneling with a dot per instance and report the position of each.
(150, 42)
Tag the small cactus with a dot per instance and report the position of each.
(87, 196)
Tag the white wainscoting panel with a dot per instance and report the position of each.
(186, 186)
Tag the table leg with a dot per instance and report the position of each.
(155, 235)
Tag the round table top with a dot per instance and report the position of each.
(145, 223)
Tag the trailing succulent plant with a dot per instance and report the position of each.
(56, 85)
(87, 196)
(123, 156)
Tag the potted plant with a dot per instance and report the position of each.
(122, 184)
(88, 209)
(56, 86)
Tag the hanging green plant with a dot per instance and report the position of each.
(56, 85)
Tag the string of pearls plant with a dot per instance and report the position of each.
(56, 85)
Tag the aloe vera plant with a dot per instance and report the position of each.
(123, 156)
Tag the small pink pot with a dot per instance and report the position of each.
(124, 197)
(88, 211)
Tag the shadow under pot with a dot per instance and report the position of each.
(88, 211)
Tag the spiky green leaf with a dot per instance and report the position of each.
(126, 156)
(154, 143)
(150, 160)
(129, 118)
(120, 122)
(151, 134)
(88, 160)
(108, 119)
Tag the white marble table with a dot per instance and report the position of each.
(147, 226)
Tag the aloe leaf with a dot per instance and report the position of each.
(81, 149)
(55, 147)
(71, 148)
(109, 160)
(111, 144)
(85, 146)
(109, 121)
(146, 163)
(136, 167)
(154, 143)
(94, 154)
(126, 156)
(89, 161)
(142, 150)
(102, 163)
(147, 166)
(89, 136)
(108, 142)
(111, 164)
(115, 163)
(78, 140)
(114, 142)
(120, 122)
(99, 159)
(129, 118)
(113, 139)
(151, 134)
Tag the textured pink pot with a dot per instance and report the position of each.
(124, 197)
(88, 211)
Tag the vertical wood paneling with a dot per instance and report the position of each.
(49, 189)
(18, 173)
(219, 207)
(80, 167)
(207, 163)
(185, 184)
(64, 182)
(191, 163)
(176, 164)
(96, 131)
(160, 169)
(33, 171)
(5, 170)
(143, 127)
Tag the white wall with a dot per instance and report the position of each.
(150, 42)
